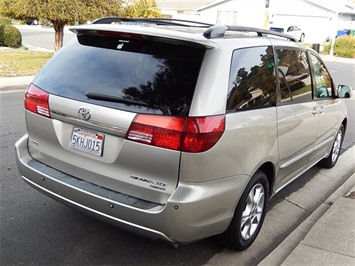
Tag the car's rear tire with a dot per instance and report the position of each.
(248, 216)
(333, 156)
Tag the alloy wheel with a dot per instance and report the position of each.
(252, 214)
(336, 147)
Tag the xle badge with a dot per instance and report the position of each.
(151, 183)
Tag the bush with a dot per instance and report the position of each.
(5, 21)
(308, 44)
(326, 48)
(323, 49)
(10, 36)
(345, 46)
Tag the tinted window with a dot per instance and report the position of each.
(139, 75)
(322, 81)
(252, 80)
(294, 76)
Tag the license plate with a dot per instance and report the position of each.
(87, 141)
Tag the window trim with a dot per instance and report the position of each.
(277, 74)
(272, 104)
(314, 85)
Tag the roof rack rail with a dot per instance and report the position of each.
(218, 31)
(156, 21)
(212, 32)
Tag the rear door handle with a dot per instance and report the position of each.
(321, 110)
(314, 111)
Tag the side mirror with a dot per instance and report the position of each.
(345, 91)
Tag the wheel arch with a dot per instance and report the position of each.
(268, 169)
(345, 124)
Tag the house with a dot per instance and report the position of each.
(235, 12)
(319, 19)
(183, 9)
(231, 12)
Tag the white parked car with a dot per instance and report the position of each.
(294, 31)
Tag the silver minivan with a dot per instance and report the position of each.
(179, 130)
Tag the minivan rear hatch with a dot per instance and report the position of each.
(97, 86)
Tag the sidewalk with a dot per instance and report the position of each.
(327, 236)
(11, 82)
(41, 28)
(333, 58)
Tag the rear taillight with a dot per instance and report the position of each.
(160, 131)
(202, 133)
(192, 134)
(36, 101)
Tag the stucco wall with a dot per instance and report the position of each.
(245, 13)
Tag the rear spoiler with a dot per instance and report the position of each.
(145, 32)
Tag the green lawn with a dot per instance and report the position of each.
(21, 62)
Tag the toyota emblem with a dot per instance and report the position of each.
(84, 113)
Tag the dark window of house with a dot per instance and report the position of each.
(294, 76)
(252, 82)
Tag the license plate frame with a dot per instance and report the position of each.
(87, 141)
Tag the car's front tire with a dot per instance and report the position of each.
(248, 216)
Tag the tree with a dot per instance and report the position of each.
(140, 9)
(60, 12)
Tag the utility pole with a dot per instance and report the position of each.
(266, 16)
(334, 27)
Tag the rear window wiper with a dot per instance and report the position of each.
(115, 99)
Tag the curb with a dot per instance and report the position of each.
(284, 253)
(40, 28)
(333, 58)
(10, 82)
(331, 241)
(288, 222)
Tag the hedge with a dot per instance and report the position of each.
(345, 46)
(5, 21)
(10, 36)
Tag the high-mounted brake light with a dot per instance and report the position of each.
(36, 101)
(191, 134)
(121, 34)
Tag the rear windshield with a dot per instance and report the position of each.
(129, 74)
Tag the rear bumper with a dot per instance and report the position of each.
(194, 211)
